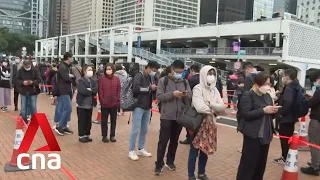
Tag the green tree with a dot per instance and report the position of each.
(3, 41)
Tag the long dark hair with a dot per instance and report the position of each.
(112, 67)
(84, 69)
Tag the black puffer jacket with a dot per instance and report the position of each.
(32, 75)
(65, 83)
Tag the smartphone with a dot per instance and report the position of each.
(279, 107)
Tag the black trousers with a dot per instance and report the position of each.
(285, 129)
(187, 135)
(230, 94)
(84, 121)
(169, 130)
(105, 112)
(253, 159)
(15, 98)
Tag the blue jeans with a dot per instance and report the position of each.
(63, 110)
(193, 154)
(43, 88)
(28, 106)
(140, 124)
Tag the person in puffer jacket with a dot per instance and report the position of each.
(122, 74)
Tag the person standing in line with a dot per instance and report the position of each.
(109, 97)
(5, 86)
(42, 69)
(194, 80)
(86, 90)
(76, 71)
(257, 110)
(27, 81)
(174, 93)
(142, 89)
(66, 82)
(123, 76)
(15, 69)
(48, 81)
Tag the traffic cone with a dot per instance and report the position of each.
(12, 165)
(303, 135)
(290, 171)
(98, 119)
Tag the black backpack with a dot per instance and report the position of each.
(54, 83)
(166, 81)
(300, 107)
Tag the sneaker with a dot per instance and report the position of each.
(158, 171)
(59, 130)
(310, 171)
(133, 156)
(143, 152)
(88, 138)
(54, 126)
(105, 139)
(4, 109)
(203, 177)
(171, 167)
(184, 141)
(279, 160)
(68, 126)
(192, 178)
(83, 139)
(113, 139)
(67, 131)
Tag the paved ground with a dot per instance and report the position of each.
(109, 161)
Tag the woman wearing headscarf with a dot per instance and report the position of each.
(206, 100)
(5, 85)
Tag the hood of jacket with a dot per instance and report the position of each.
(121, 73)
(294, 85)
(203, 77)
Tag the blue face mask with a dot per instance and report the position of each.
(177, 75)
(152, 73)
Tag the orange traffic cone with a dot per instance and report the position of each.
(12, 165)
(290, 171)
(303, 135)
(98, 119)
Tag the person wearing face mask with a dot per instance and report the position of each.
(257, 110)
(27, 81)
(15, 68)
(86, 90)
(143, 89)
(286, 117)
(5, 85)
(207, 101)
(109, 98)
(173, 92)
(42, 69)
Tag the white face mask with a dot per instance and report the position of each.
(4, 63)
(34, 63)
(89, 74)
(211, 79)
(264, 89)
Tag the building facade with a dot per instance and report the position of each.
(25, 16)
(263, 8)
(289, 6)
(159, 13)
(229, 10)
(55, 13)
(309, 11)
(89, 15)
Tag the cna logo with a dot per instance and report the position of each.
(54, 162)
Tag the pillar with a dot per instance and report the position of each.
(302, 76)
(53, 47)
(86, 48)
(98, 50)
(158, 41)
(130, 43)
(76, 47)
(47, 47)
(36, 49)
(59, 48)
(67, 43)
(41, 50)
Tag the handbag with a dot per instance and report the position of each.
(190, 118)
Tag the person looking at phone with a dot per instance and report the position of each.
(173, 92)
(257, 110)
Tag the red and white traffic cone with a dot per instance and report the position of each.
(12, 165)
(290, 171)
(98, 119)
(303, 135)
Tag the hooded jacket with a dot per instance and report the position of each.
(203, 92)
(122, 74)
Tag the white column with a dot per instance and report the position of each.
(76, 47)
(41, 50)
(111, 39)
(36, 49)
(130, 43)
(67, 44)
(59, 48)
(302, 75)
(53, 47)
(159, 41)
(98, 50)
(47, 48)
(86, 48)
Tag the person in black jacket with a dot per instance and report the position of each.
(5, 85)
(27, 81)
(195, 80)
(257, 110)
(66, 81)
(313, 131)
(15, 69)
(42, 69)
(286, 116)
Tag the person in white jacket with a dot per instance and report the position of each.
(206, 100)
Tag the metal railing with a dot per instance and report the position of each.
(187, 61)
(271, 51)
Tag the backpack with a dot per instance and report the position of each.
(54, 83)
(166, 81)
(128, 102)
(300, 107)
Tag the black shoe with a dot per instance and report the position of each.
(60, 131)
(184, 142)
(113, 139)
(105, 139)
(67, 131)
(310, 171)
(279, 160)
(203, 177)
(171, 167)
(192, 178)
(158, 171)
(89, 139)
(83, 139)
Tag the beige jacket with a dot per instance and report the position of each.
(203, 93)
